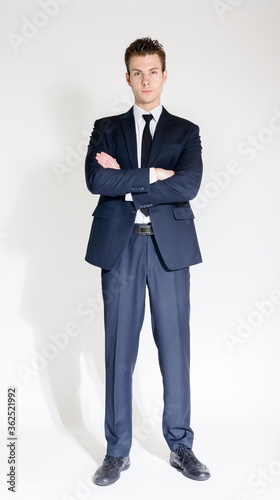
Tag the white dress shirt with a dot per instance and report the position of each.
(139, 127)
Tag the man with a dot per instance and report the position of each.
(146, 165)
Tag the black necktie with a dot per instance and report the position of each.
(145, 148)
(146, 141)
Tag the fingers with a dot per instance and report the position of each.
(169, 173)
(107, 161)
(163, 174)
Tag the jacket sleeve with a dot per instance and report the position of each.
(108, 181)
(184, 185)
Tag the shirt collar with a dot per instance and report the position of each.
(138, 112)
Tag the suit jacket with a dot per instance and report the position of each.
(176, 145)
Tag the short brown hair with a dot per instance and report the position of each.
(143, 47)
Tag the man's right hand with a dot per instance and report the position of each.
(107, 161)
(163, 174)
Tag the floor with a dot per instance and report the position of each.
(53, 465)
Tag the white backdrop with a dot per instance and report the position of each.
(62, 67)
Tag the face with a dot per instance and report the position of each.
(146, 80)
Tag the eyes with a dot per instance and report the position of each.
(138, 74)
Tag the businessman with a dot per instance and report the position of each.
(146, 166)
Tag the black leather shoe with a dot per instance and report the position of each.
(185, 460)
(109, 472)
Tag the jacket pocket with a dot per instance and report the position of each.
(183, 213)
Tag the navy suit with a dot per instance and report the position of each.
(130, 262)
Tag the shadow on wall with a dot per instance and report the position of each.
(50, 225)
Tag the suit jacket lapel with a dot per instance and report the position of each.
(128, 125)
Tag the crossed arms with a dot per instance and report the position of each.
(106, 177)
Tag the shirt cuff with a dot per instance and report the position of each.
(153, 176)
(128, 197)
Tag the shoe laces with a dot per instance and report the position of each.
(112, 461)
(187, 454)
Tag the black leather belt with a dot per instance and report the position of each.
(143, 229)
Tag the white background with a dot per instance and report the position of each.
(224, 75)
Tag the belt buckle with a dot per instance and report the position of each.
(144, 230)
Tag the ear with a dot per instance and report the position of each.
(127, 77)
(164, 76)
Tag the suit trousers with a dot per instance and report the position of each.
(124, 292)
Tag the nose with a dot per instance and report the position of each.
(145, 80)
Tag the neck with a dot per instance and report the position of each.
(147, 107)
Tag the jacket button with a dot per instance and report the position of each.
(133, 212)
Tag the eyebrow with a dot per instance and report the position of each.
(140, 71)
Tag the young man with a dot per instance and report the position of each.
(146, 165)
